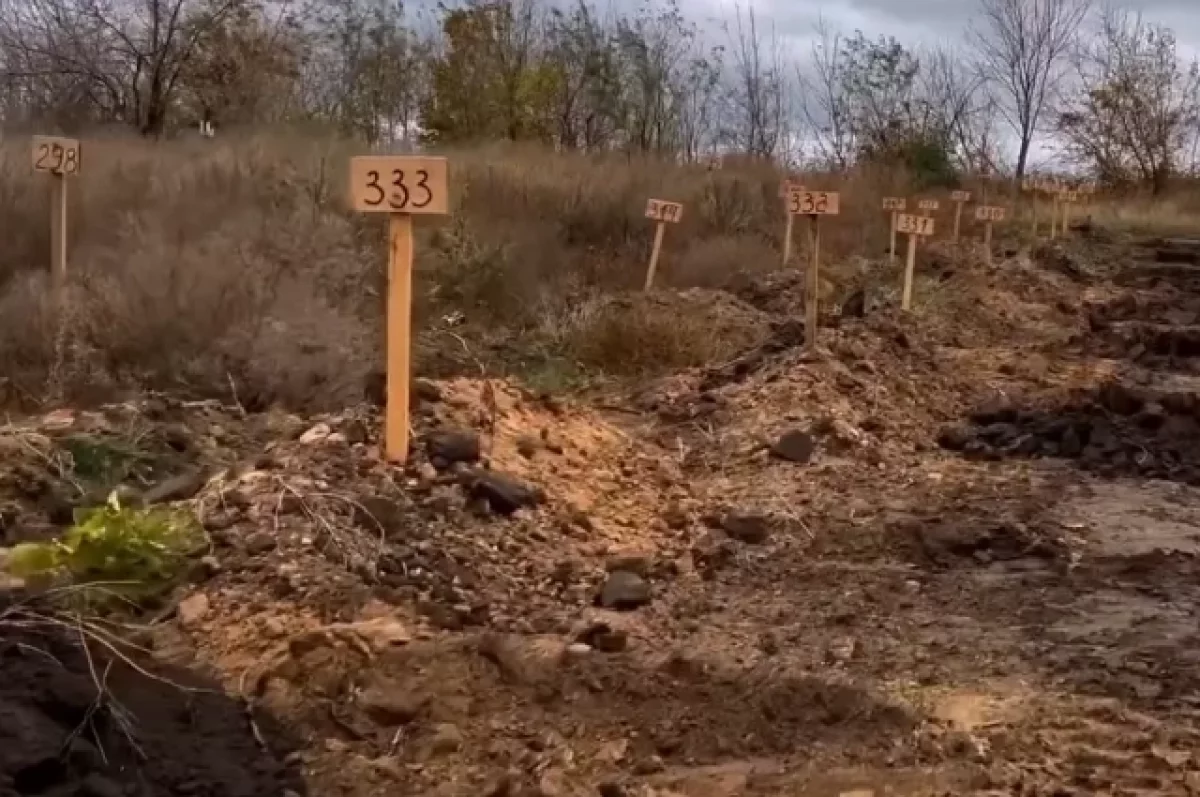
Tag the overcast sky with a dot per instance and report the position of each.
(920, 22)
(923, 21)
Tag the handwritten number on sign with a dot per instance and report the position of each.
(401, 196)
(373, 184)
(808, 203)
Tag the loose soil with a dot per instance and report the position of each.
(949, 552)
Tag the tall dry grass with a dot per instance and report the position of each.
(234, 266)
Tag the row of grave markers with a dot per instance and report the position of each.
(405, 185)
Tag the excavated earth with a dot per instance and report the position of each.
(950, 552)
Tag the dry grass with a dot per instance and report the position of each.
(210, 267)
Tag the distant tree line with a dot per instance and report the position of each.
(1108, 87)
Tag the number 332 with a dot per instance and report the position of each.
(402, 196)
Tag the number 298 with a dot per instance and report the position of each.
(401, 192)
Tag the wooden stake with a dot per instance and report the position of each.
(399, 328)
(958, 206)
(1033, 205)
(787, 236)
(810, 302)
(660, 229)
(892, 257)
(1054, 217)
(910, 265)
(987, 242)
(58, 235)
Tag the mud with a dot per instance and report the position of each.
(87, 724)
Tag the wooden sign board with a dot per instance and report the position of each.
(802, 202)
(1070, 196)
(927, 204)
(960, 196)
(990, 213)
(894, 203)
(56, 155)
(399, 184)
(662, 210)
(911, 224)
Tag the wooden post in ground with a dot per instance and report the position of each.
(814, 204)
(928, 207)
(1031, 188)
(914, 227)
(401, 186)
(60, 158)
(661, 212)
(959, 198)
(989, 214)
(785, 193)
(1069, 198)
(893, 205)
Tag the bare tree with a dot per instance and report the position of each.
(825, 104)
(757, 94)
(1022, 45)
(1136, 114)
(124, 57)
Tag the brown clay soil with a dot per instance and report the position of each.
(950, 552)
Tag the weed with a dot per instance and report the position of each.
(133, 552)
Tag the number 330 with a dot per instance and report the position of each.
(401, 197)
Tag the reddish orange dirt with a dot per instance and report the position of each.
(948, 553)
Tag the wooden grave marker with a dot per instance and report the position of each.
(785, 193)
(401, 186)
(814, 204)
(662, 212)
(959, 198)
(914, 227)
(894, 205)
(60, 158)
(989, 215)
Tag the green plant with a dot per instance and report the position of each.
(137, 550)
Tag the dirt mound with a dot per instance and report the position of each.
(1114, 430)
(76, 723)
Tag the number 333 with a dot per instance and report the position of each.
(406, 192)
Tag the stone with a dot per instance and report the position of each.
(447, 738)
(177, 488)
(751, 528)
(624, 591)
(260, 542)
(445, 448)
(193, 609)
(795, 446)
(390, 703)
(316, 434)
(503, 494)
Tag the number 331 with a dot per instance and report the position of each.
(402, 196)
